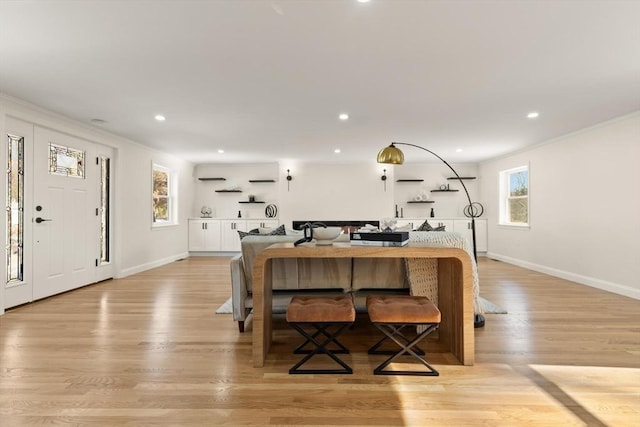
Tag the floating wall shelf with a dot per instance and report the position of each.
(462, 177)
(212, 179)
(250, 202)
(420, 201)
(444, 191)
(410, 180)
(262, 180)
(228, 191)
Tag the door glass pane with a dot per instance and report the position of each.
(105, 204)
(66, 161)
(15, 209)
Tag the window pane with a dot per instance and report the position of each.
(66, 161)
(15, 208)
(160, 183)
(105, 175)
(160, 209)
(518, 210)
(518, 183)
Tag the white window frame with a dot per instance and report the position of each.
(172, 197)
(505, 197)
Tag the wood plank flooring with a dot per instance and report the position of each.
(148, 350)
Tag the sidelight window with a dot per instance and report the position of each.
(15, 209)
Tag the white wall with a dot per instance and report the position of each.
(320, 191)
(584, 202)
(434, 174)
(137, 246)
(226, 205)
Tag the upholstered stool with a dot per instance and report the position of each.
(329, 316)
(393, 313)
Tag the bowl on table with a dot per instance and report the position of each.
(326, 236)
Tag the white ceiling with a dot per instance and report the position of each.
(266, 80)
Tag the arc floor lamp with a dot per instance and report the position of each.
(393, 155)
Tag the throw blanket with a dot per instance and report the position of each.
(423, 272)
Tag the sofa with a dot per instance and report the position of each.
(310, 276)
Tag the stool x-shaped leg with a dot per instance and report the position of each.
(321, 347)
(391, 330)
(396, 330)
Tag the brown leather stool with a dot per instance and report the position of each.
(391, 314)
(322, 315)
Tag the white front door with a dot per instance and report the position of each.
(64, 213)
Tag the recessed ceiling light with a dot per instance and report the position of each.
(337, 151)
(364, 1)
(160, 118)
(343, 116)
(220, 151)
(458, 150)
(533, 115)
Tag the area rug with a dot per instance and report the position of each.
(225, 308)
(490, 308)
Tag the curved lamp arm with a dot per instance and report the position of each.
(393, 155)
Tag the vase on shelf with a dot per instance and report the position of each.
(432, 214)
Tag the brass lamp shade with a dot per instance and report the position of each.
(391, 154)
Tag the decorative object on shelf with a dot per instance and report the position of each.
(474, 210)
(443, 187)
(289, 178)
(205, 212)
(401, 213)
(384, 178)
(393, 155)
(388, 224)
(396, 211)
(271, 211)
(252, 198)
(432, 214)
(239, 214)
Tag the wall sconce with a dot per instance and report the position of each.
(384, 178)
(289, 178)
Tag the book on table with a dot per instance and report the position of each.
(400, 238)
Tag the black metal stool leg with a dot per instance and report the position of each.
(396, 331)
(321, 329)
(405, 349)
(321, 348)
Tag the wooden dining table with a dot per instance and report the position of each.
(455, 289)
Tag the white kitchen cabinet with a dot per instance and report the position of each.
(463, 226)
(229, 238)
(252, 224)
(204, 235)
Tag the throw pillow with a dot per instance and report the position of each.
(425, 226)
(278, 231)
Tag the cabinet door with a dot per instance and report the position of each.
(447, 223)
(212, 234)
(463, 226)
(230, 240)
(261, 223)
(204, 235)
(196, 235)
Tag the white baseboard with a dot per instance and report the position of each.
(604, 285)
(148, 266)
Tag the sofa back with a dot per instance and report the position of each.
(296, 273)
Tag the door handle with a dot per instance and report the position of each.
(39, 220)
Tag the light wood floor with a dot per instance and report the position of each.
(148, 350)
